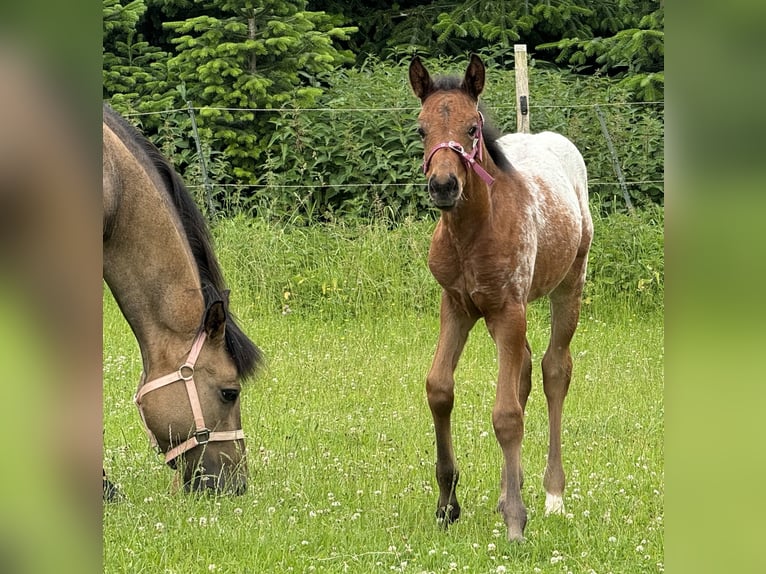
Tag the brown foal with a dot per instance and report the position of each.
(514, 227)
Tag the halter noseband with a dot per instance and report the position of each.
(202, 435)
(468, 158)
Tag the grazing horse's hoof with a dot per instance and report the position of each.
(446, 515)
(111, 492)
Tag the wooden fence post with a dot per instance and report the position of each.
(522, 88)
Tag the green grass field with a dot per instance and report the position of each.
(340, 440)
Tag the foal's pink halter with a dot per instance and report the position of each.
(468, 158)
(202, 435)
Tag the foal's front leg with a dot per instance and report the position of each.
(454, 326)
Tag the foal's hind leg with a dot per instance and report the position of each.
(440, 383)
(525, 387)
(508, 329)
(557, 373)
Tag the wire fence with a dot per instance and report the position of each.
(610, 173)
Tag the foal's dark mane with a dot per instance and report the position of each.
(244, 353)
(490, 133)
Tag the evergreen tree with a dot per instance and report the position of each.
(254, 54)
(623, 38)
(135, 74)
(635, 52)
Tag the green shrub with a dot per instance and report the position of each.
(356, 155)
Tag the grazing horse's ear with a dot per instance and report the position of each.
(215, 321)
(473, 83)
(420, 80)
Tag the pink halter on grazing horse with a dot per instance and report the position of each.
(160, 266)
(514, 227)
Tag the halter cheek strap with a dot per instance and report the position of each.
(468, 157)
(202, 435)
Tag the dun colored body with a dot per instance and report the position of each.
(160, 267)
(502, 241)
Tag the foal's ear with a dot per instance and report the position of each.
(420, 80)
(215, 321)
(473, 83)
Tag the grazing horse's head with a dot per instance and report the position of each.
(190, 405)
(160, 265)
(451, 127)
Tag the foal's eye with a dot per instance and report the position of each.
(229, 395)
(473, 130)
(421, 132)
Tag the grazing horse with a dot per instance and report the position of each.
(514, 226)
(161, 269)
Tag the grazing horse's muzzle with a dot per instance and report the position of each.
(444, 192)
(219, 482)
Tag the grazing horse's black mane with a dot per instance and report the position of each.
(244, 353)
(489, 132)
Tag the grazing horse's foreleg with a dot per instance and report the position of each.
(111, 492)
(557, 373)
(508, 329)
(454, 326)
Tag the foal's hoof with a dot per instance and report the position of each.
(446, 515)
(554, 504)
(515, 520)
(516, 531)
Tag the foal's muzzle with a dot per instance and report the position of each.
(444, 192)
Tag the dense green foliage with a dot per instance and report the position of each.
(617, 37)
(234, 54)
(357, 154)
(623, 38)
(237, 60)
(359, 163)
